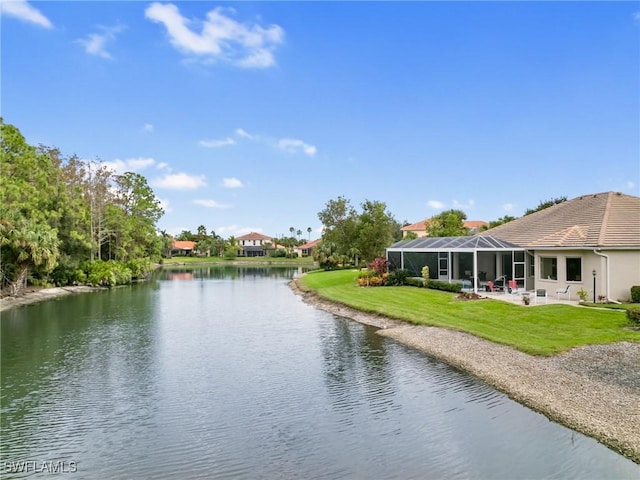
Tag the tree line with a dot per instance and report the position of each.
(350, 237)
(62, 220)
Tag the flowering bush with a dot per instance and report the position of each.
(379, 265)
(372, 279)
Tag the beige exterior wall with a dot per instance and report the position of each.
(624, 268)
(623, 272)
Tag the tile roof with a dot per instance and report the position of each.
(184, 244)
(608, 219)
(308, 245)
(254, 236)
(415, 226)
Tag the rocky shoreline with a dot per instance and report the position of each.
(594, 389)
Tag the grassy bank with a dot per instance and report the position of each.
(539, 330)
(303, 261)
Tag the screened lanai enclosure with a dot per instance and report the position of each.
(472, 261)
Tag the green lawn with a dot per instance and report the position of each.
(537, 330)
(256, 260)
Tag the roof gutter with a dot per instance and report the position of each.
(607, 258)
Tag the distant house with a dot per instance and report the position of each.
(183, 247)
(589, 241)
(255, 244)
(306, 250)
(420, 228)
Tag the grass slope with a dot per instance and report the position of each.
(539, 330)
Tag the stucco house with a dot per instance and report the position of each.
(420, 228)
(183, 247)
(591, 242)
(254, 244)
(306, 250)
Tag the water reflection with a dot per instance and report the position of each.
(221, 372)
(187, 272)
(77, 367)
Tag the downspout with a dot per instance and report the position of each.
(608, 276)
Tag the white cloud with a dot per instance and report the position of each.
(507, 207)
(232, 182)
(220, 38)
(180, 181)
(148, 127)
(211, 204)
(21, 10)
(226, 229)
(631, 185)
(636, 16)
(243, 133)
(435, 204)
(463, 206)
(163, 166)
(293, 145)
(217, 143)
(95, 43)
(120, 166)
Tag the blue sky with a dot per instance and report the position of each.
(250, 116)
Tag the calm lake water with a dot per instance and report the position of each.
(225, 373)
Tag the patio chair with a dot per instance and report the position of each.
(513, 287)
(564, 292)
(539, 295)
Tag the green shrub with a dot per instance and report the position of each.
(229, 254)
(635, 294)
(633, 314)
(66, 272)
(139, 267)
(107, 274)
(446, 286)
(415, 282)
(398, 278)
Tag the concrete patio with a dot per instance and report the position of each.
(517, 299)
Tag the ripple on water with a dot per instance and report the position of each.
(231, 379)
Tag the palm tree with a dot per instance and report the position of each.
(309, 232)
(291, 229)
(33, 245)
(299, 232)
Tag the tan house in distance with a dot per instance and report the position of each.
(420, 228)
(306, 250)
(183, 247)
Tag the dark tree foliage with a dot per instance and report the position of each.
(57, 214)
(545, 204)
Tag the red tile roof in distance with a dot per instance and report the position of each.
(184, 244)
(254, 236)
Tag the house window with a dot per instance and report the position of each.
(574, 269)
(549, 268)
(532, 266)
